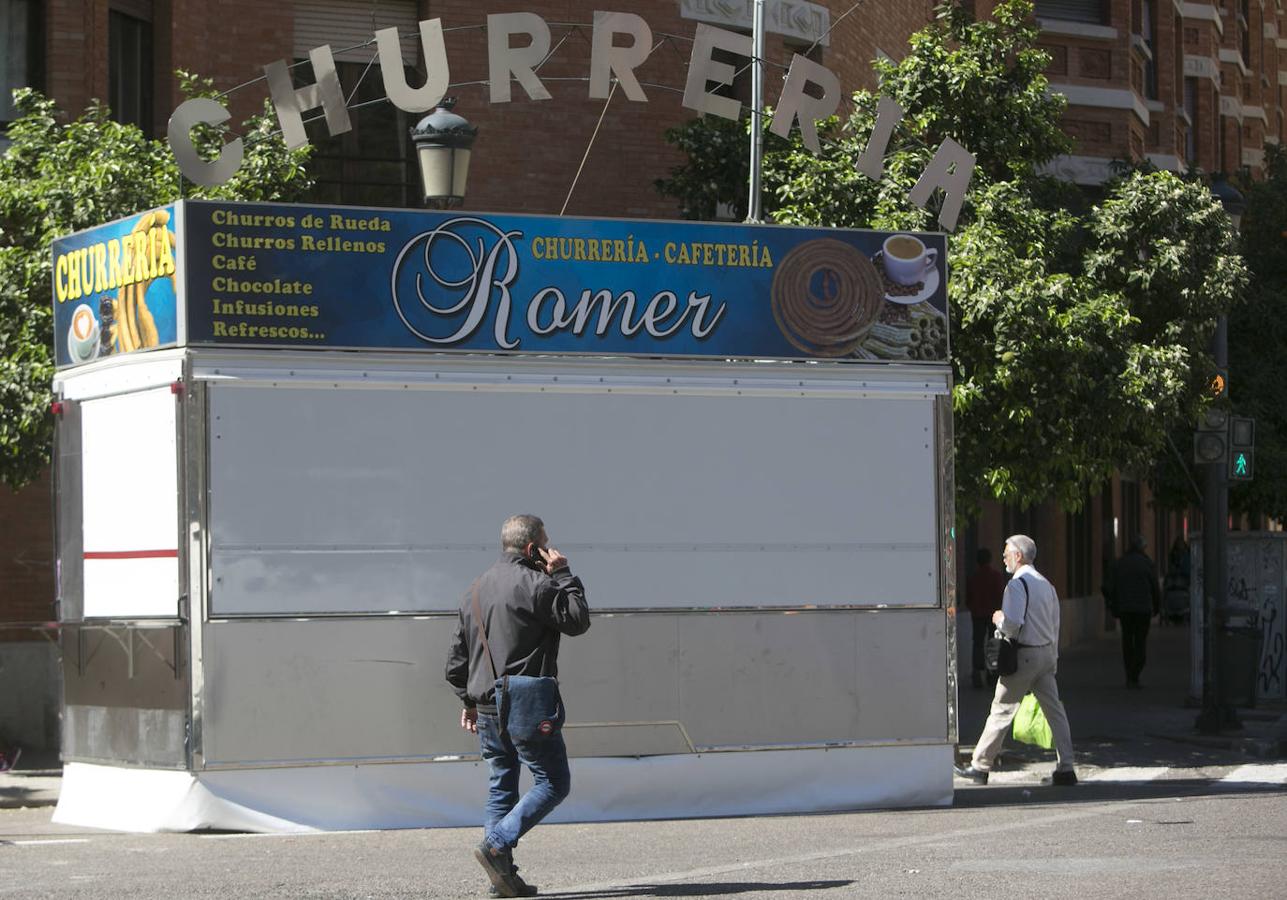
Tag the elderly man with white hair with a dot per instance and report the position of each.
(1029, 615)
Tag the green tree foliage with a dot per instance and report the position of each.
(57, 178)
(1080, 333)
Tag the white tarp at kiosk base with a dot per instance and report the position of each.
(451, 794)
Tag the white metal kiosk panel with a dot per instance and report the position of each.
(377, 499)
(637, 684)
(130, 519)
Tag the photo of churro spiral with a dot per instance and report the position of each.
(826, 297)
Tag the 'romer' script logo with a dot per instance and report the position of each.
(446, 281)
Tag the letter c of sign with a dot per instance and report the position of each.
(189, 114)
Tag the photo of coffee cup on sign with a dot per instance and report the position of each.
(83, 335)
(911, 269)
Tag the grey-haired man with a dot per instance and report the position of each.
(1029, 614)
(527, 600)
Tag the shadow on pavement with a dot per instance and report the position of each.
(705, 889)
(1104, 792)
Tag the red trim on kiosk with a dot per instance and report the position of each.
(132, 554)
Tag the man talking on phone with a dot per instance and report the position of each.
(525, 601)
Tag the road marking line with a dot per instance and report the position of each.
(282, 834)
(51, 841)
(1257, 773)
(1130, 773)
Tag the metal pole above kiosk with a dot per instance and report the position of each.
(757, 108)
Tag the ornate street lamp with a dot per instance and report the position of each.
(443, 141)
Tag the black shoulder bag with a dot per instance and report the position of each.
(1002, 653)
(528, 707)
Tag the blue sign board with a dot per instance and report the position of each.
(321, 277)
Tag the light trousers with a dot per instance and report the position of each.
(1035, 675)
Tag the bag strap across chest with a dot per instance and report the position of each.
(1026, 597)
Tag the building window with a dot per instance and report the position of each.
(1148, 31)
(1191, 110)
(1079, 552)
(1131, 519)
(1092, 12)
(372, 164)
(129, 62)
(21, 59)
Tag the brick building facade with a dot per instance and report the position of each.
(1181, 84)
(1194, 83)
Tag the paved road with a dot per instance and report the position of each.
(1160, 813)
(1178, 832)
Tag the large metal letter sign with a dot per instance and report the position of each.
(950, 169)
(291, 104)
(433, 50)
(606, 59)
(796, 104)
(702, 70)
(179, 132)
(504, 61)
(872, 162)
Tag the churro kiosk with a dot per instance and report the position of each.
(287, 437)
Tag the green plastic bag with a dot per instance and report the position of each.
(1030, 725)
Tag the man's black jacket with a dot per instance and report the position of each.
(525, 611)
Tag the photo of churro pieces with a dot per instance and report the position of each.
(146, 324)
(119, 329)
(131, 321)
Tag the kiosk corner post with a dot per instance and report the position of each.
(194, 548)
(946, 496)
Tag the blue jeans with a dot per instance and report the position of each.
(509, 816)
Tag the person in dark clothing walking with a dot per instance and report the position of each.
(527, 600)
(1136, 598)
(983, 592)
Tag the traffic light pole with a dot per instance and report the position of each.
(1215, 541)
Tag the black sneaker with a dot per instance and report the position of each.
(499, 865)
(978, 776)
(1061, 779)
(524, 889)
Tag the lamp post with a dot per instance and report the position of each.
(443, 141)
(1215, 521)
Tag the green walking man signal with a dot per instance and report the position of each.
(1241, 465)
(1242, 441)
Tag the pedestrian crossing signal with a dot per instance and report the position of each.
(1211, 440)
(1242, 465)
(1242, 439)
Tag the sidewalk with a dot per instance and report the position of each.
(34, 782)
(1114, 726)
(1111, 726)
